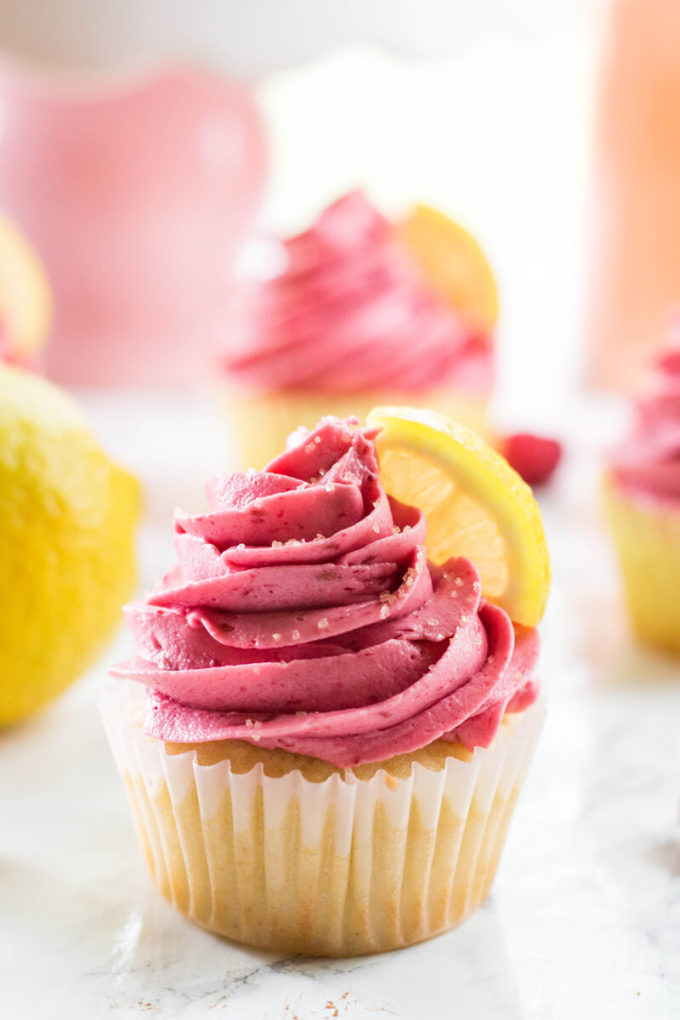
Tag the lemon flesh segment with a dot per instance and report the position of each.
(454, 264)
(475, 505)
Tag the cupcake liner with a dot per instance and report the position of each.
(262, 422)
(336, 867)
(646, 534)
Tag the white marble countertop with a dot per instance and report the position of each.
(584, 918)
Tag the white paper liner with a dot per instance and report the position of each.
(338, 867)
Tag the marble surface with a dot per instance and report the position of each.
(583, 920)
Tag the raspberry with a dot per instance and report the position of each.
(533, 457)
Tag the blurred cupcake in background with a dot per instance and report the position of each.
(642, 502)
(362, 311)
(25, 299)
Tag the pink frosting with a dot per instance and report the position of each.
(352, 312)
(648, 461)
(303, 614)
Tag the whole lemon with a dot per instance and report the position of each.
(67, 519)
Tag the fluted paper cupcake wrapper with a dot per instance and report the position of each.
(646, 534)
(339, 867)
(262, 422)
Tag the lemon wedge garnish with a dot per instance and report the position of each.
(454, 264)
(475, 504)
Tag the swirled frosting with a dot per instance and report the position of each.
(648, 461)
(303, 614)
(350, 311)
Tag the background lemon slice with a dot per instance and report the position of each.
(475, 505)
(25, 297)
(454, 264)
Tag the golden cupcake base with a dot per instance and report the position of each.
(646, 535)
(261, 423)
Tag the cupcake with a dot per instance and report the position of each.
(642, 504)
(362, 312)
(323, 734)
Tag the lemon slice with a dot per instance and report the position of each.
(25, 297)
(454, 264)
(475, 504)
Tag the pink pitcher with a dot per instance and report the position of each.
(137, 195)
